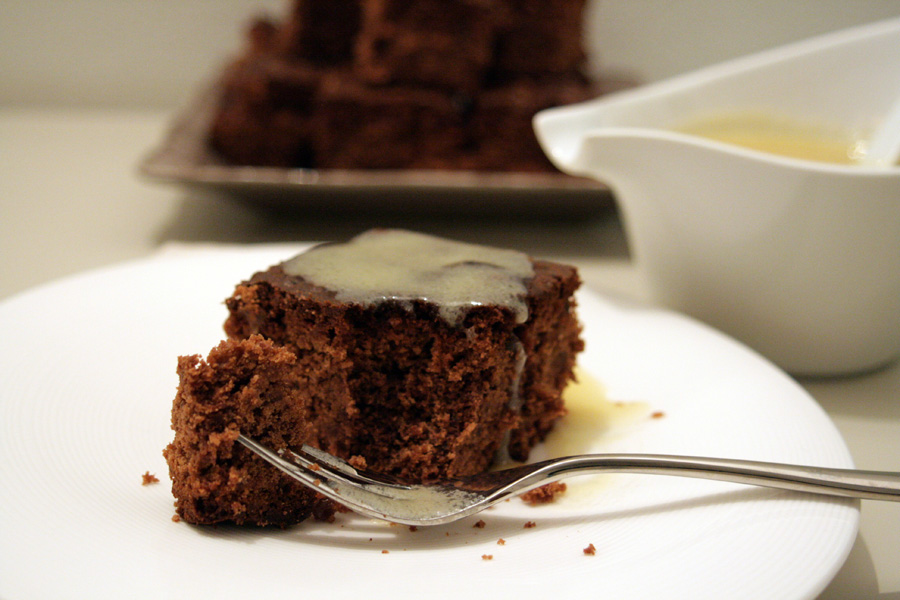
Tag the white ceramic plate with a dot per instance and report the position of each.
(87, 378)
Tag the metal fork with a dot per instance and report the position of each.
(387, 498)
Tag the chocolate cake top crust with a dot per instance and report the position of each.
(384, 264)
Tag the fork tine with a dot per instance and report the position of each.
(367, 493)
(327, 473)
(321, 478)
(316, 459)
(297, 469)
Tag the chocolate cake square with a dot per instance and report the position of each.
(415, 392)
(431, 43)
(500, 125)
(392, 84)
(266, 112)
(321, 31)
(539, 37)
(243, 386)
(397, 127)
(407, 354)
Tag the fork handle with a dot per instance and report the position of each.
(849, 483)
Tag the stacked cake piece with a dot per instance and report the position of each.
(401, 84)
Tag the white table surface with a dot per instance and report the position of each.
(71, 200)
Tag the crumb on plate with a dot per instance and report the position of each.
(544, 494)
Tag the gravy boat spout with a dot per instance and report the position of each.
(799, 259)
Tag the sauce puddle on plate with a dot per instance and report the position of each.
(592, 418)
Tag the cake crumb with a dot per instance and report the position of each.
(590, 550)
(413, 528)
(147, 478)
(325, 518)
(501, 542)
(176, 518)
(658, 415)
(530, 524)
(358, 462)
(544, 494)
(314, 467)
(487, 557)
(385, 551)
(479, 525)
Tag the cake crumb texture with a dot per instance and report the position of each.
(243, 386)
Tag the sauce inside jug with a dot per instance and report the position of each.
(780, 135)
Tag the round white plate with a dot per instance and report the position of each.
(86, 383)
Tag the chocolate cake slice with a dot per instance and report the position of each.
(429, 43)
(244, 386)
(539, 38)
(409, 354)
(385, 128)
(394, 84)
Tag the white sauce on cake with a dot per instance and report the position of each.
(392, 264)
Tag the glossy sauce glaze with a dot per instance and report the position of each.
(391, 264)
